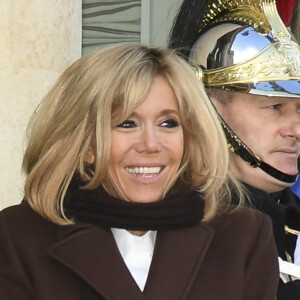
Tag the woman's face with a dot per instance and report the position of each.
(146, 149)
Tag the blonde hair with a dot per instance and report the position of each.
(98, 92)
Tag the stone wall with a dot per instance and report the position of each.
(38, 40)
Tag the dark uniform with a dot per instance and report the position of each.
(284, 209)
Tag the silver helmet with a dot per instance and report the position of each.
(244, 46)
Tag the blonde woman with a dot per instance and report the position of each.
(127, 192)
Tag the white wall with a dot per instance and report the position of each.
(38, 40)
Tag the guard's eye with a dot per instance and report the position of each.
(275, 106)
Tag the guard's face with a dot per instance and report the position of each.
(270, 127)
(146, 149)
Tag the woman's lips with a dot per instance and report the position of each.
(144, 171)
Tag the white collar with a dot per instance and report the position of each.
(137, 252)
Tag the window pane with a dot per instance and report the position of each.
(110, 22)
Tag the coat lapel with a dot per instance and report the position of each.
(177, 258)
(91, 253)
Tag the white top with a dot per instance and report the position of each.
(137, 252)
(288, 270)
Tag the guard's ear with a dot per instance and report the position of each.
(89, 156)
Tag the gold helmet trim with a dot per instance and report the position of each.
(281, 59)
(246, 11)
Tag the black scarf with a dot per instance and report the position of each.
(98, 208)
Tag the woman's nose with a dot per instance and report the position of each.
(149, 140)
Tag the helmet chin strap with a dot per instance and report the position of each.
(236, 145)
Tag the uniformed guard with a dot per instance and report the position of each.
(249, 62)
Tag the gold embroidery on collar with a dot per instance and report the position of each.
(290, 230)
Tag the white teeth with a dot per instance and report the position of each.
(143, 170)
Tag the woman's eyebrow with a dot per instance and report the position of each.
(162, 112)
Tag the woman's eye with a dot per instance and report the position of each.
(127, 124)
(170, 123)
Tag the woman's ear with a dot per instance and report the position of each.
(89, 156)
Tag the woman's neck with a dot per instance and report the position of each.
(137, 232)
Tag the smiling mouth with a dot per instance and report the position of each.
(144, 171)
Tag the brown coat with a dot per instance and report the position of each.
(233, 258)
